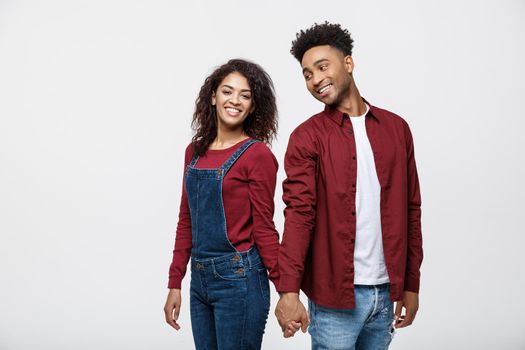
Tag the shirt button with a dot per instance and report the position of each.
(353, 157)
(353, 213)
(353, 185)
(352, 240)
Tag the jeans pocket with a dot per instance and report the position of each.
(311, 316)
(264, 284)
(230, 272)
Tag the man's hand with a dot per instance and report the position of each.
(291, 314)
(411, 304)
(172, 308)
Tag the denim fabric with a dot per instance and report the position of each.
(229, 292)
(208, 222)
(229, 301)
(367, 327)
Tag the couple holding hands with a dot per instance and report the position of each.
(352, 234)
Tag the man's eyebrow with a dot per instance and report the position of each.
(316, 63)
(320, 60)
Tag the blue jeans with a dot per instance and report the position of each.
(367, 327)
(229, 301)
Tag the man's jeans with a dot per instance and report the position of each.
(367, 327)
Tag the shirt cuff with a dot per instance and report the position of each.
(175, 283)
(289, 283)
(412, 285)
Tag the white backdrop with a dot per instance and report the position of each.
(96, 99)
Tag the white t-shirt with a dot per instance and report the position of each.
(369, 260)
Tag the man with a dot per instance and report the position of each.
(352, 236)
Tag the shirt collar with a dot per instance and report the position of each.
(338, 116)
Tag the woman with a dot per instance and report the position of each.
(226, 212)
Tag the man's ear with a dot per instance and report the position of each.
(349, 63)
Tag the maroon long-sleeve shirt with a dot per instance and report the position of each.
(316, 253)
(248, 196)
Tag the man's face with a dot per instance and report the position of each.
(327, 72)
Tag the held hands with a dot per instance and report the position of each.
(411, 303)
(172, 308)
(291, 314)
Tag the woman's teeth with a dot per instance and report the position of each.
(232, 110)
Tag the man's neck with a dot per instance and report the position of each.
(353, 104)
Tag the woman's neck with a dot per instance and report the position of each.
(226, 138)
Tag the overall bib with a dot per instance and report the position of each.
(229, 292)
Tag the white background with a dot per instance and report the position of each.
(96, 99)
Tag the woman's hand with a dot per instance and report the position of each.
(172, 308)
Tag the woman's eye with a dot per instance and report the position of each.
(247, 97)
(226, 92)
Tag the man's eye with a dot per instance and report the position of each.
(307, 77)
(323, 68)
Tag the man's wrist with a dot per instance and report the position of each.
(289, 295)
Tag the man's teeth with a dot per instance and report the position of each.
(325, 88)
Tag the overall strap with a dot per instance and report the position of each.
(194, 161)
(230, 161)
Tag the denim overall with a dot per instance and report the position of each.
(229, 292)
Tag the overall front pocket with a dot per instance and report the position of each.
(230, 271)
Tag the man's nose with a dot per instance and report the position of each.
(317, 78)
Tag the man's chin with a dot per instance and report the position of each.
(326, 100)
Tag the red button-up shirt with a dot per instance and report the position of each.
(316, 253)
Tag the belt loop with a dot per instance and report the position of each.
(213, 267)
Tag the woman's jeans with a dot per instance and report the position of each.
(229, 301)
(367, 327)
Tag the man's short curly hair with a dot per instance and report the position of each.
(322, 34)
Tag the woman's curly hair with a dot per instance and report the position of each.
(261, 124)
(322, 34)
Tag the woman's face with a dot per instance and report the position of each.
(233, 101)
